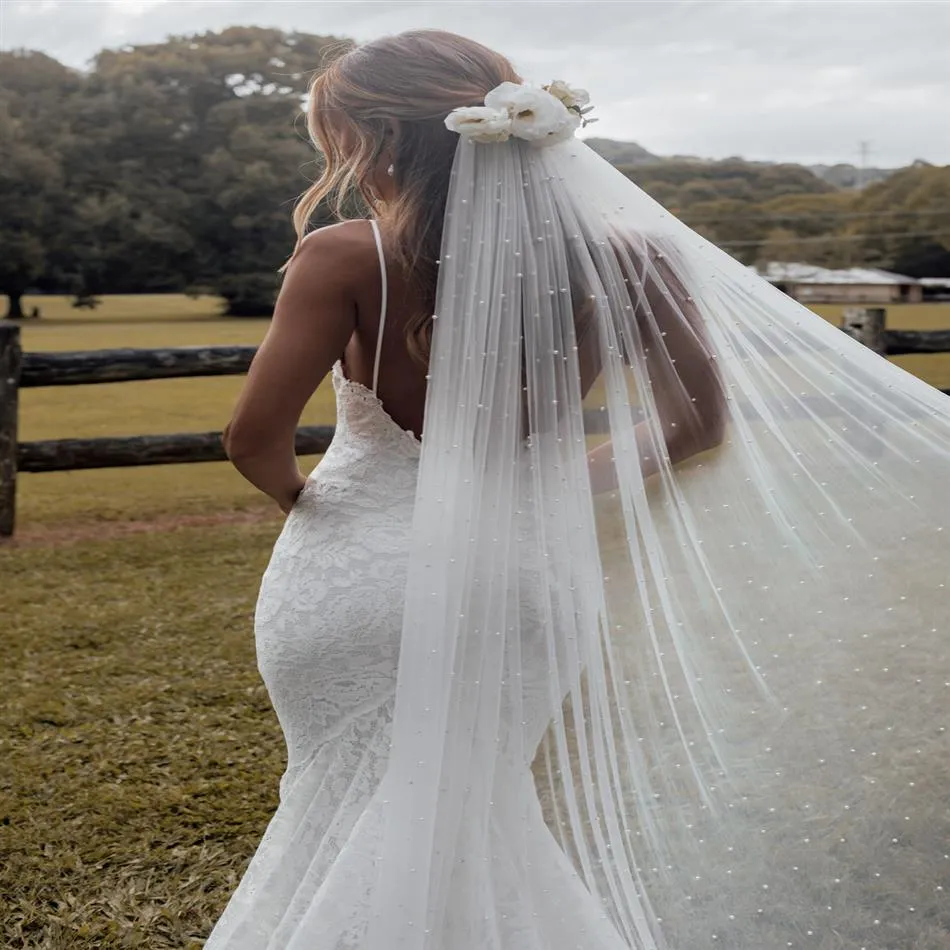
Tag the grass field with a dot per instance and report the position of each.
(155, 406)
(139, 756)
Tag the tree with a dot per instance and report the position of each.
(33, 90)
(780, 244)
(249, 295)
(730, 223)
(218, 138)
(808, 227)
(166, 166)
(728, 201)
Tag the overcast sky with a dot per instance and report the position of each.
(795, 80)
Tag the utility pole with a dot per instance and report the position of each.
(864, 149)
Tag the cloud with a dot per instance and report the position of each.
(783, 80)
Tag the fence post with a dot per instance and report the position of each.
(10, 358)
(866, 325)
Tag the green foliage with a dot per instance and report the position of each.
(164, 167)
(807, 227)
(32, 180)
(175, 165)
(763, 212)
(907, 221)
(731, 179)
(249, 295)
(727, 201)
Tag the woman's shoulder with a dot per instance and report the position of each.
(336, 261)
(347, 251)
(345, 241)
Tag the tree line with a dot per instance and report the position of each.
(163, 168)
(761, 212)
(173, 167)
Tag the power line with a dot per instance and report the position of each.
(809, 216)
(833, 238)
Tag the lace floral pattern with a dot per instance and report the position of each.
(328, 624)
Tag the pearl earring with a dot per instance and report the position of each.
(390, 171)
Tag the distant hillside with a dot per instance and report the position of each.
(844, 175)
(623, 153)
(683, 184)
(775, 211)
(630, 154)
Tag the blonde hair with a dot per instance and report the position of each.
(413, 79)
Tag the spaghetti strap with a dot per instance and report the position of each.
(383, 305)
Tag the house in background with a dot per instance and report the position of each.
(936, 288)
(811, 284)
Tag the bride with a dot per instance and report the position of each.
(615, 614)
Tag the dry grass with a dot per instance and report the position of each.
(125, 308)
(933, 367)
(139, 755)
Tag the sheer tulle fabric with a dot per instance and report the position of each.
(715, 657)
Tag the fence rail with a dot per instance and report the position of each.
(122, 366)
(900, 342)
(20, 370)
(62, 455)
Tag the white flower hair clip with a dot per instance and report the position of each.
(542, 116)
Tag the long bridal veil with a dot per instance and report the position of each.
(678, 585)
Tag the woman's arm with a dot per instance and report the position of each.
(314, 318)
(603, 470)
(677, 357)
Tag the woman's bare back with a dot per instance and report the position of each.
(401, 386)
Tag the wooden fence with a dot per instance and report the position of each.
(20, 370)
(868, 325)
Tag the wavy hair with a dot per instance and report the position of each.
(412, 80)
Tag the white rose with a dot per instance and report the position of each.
(571, 97)
(536, 115)
(480, 123)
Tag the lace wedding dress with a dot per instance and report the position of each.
(328, 625)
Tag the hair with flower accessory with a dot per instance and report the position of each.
(541, 116)
(412, 79)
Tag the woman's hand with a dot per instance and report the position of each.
(289, 499)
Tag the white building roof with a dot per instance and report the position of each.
(798, 273)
